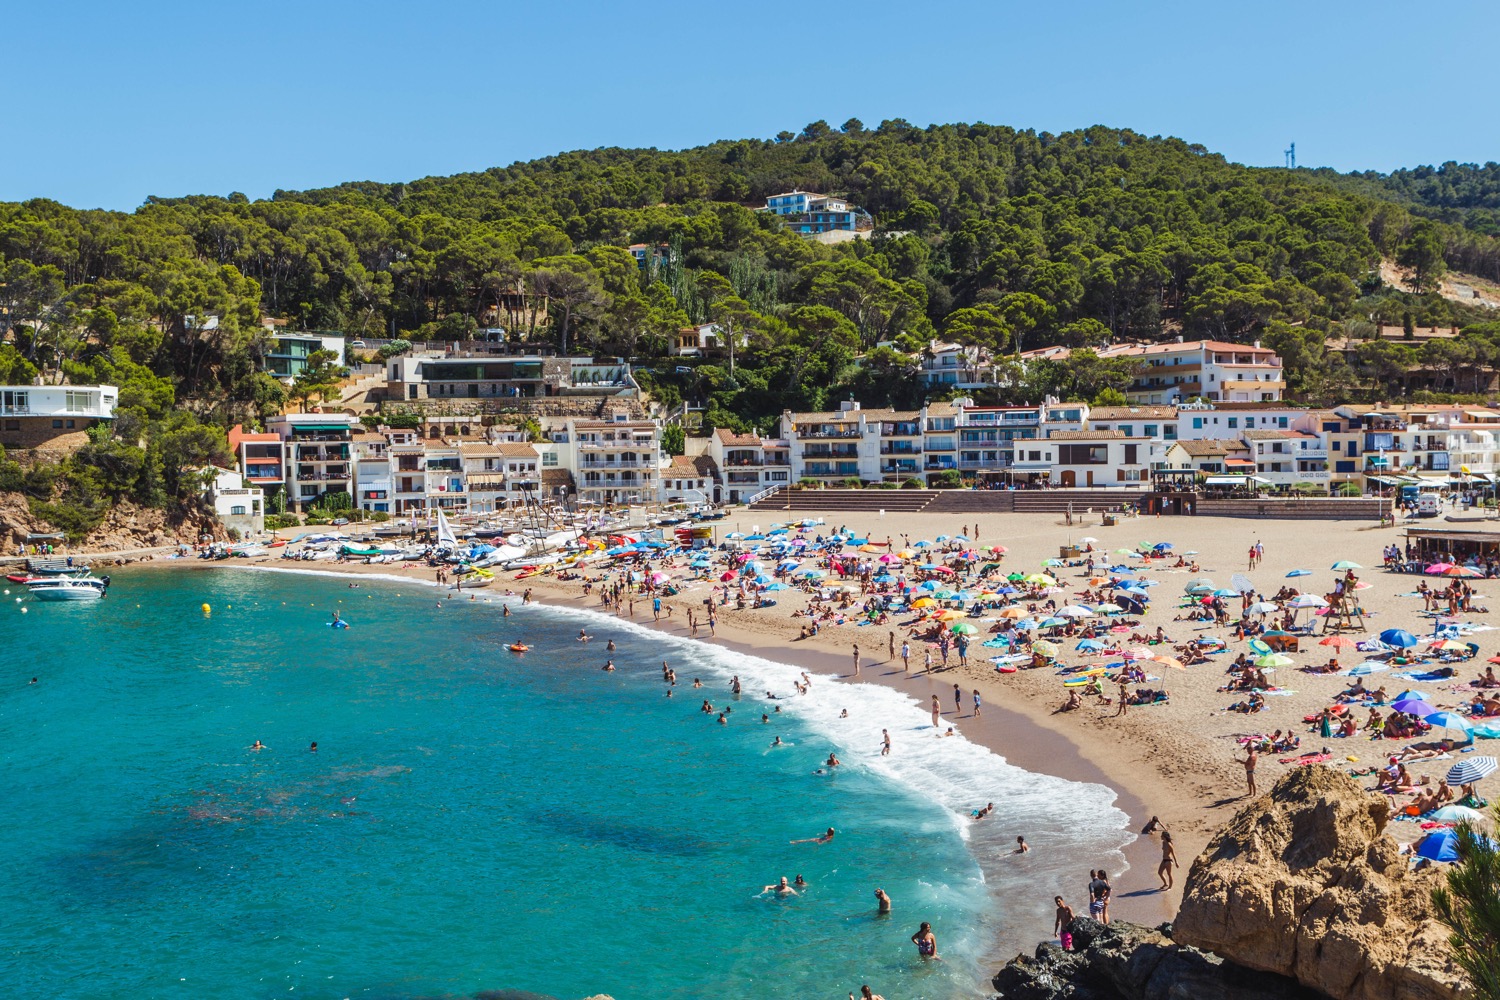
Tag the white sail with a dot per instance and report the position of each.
(445, 537)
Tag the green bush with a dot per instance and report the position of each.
(807, 484)
(912, 484)
(277, 521)
(949, 479)
(887, 486)
(852, 483)
(379, 516)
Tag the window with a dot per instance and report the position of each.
(1082, 454)
(70, 424)
(1128, 430)
(1197, 423)
(1234, 422)
(13, 425)
(549, 459)
(57, 423)
(237, 510)
(1150, 430)
(77, 401)
(1130, 454)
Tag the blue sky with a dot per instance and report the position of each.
(109, 102)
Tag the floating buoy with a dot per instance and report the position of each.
(24, 609)
(207, 609)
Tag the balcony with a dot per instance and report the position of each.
(742, 478)
(827, 431)
(898, 468)
(306, 453)
(600, 463)
(900, 449)
(311, 476)
(829, 452)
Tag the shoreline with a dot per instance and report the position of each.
(1005, 729)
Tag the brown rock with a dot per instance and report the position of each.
(1304, 882)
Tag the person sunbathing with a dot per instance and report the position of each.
(1348, 727)
(1426, 750)
(1075, 701)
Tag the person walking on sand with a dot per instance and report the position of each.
(892, 638)
(1249, 762)
(927, 660)
(1168, 861)
(856, 659)
(905, 657)
(958, 699)
(1124, 705)
(977, 703)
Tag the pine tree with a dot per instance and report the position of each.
(1470, 904)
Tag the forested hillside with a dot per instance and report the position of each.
(992, 236)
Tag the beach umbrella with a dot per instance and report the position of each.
(1089, 645)
(944, 569)
(1170, 661)
(927, 602)
(944, 595)
(734, 536)
(1108, 609)
(777, 586)
(1447, 644)
(763, 581)
(1458, 814)
(1052, 622)
(1016, 577)
(963, 628)
(884, 578)
(1413, 706)
(951, 616)
(1273, 660)
(728, 575)
(907, 553)
(1133, 591)
(888, 558)
(1041, 578)
(1050, 649)
(960, 538)
(1412, 693)
(1366, 668)
(1074, 611)
(942, 538)
(1260, 608)
(814, 574)
(1463, 571)
(1344, 564)
(1201, 591)
(1452, 720)
(1438, 567)
(1399, 638)
(929, 567)
(1053, 562)
(1258, 647)
(1439, 845)
(1162, 546)
(1226, 593)
(1466, 772)
(1241, 584)
(922, 544)
(1338, 642)
(998, 548)
(1300, 572)
(1307, 601)
(1007, 590)
(1012, 612)
(1197, 584)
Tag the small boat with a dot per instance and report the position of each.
(518, 647)
(69, 588)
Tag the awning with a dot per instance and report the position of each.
(1239, 461)
(1229, 480)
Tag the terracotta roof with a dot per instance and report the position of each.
(941, 409)
(473, 449)
(1083, 435)
(1206, 448)
(556, 477)
(1266, 435)
(1132, 412)
(510, 449)
(732, 439)
(835, 417)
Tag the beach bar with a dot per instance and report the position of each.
(1476, 545)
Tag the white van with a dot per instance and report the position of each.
(1427, 505)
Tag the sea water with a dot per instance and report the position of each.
(476, 819)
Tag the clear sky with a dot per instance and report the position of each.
(111, 102)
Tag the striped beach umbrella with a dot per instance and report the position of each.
(1466, 772)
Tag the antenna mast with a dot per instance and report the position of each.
(1291, 157)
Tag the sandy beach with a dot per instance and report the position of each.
(1177, 761)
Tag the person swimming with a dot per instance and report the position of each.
(817, 840)
(777, 742)
(258, 745)
(781, 888)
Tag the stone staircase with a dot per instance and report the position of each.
(837, 501)
(1301, 509)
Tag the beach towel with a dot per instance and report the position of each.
(1308, 758)
(1424, 675)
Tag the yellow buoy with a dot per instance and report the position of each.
(207, 609)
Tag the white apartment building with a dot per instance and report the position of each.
(318, 459)
(1100, 458)
(748, 464)
(372, 470)
(53, 418)
(240, 507)
(613, 462)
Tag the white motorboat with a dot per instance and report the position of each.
(69, 588)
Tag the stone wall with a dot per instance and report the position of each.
(38, 434)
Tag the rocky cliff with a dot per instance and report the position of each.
(126, 526)
(1304, 883)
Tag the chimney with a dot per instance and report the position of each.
(1257, 345)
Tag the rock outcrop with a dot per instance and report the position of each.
(125, 526)
(1304, 883)
(1125, 961)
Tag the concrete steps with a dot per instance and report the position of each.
(1303, 509)
(835, 501)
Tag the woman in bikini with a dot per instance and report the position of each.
(1168, 861)
(925, 941)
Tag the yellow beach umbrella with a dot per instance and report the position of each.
(1012, 612)
(1041, 578)
(923, 602)
(1045, 648)
(950, 615)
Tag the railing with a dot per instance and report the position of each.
(769, 491)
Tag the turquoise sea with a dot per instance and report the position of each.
(474, 819)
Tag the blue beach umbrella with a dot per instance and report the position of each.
(777, 586)
(1450, 720)
(923, 544)
(1399, 638)
(884, 578)
(1367, 668)
(1089, 645)
(928, 585)
(1300, 572)
(763, 581)
(813, 573)
(1466, 772)
(1413, 706)
(1439, 845)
